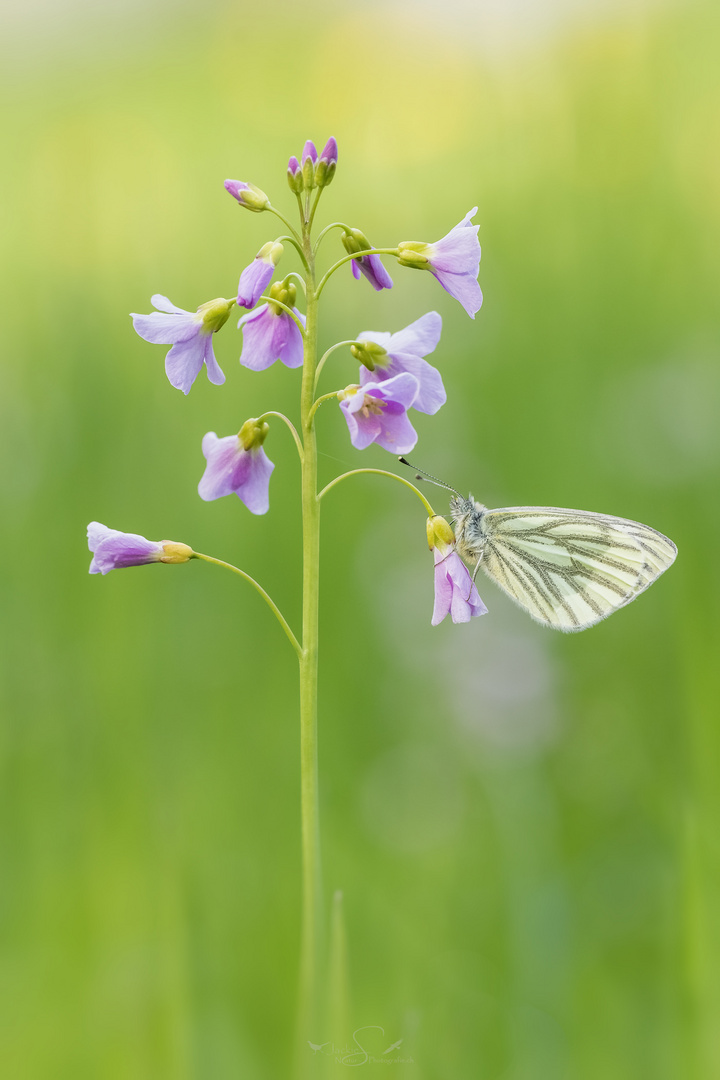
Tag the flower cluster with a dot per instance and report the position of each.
(313, 172)
(394, 374)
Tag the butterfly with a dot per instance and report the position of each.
(567, 568)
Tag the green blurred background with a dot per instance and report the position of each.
(524, 825)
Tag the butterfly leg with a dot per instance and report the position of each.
(477, 566)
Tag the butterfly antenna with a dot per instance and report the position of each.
(420, 474)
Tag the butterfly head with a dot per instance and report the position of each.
(460, 507)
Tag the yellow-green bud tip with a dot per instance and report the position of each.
(413, 253)
(439, 533)
(253, 433)
(285, 292)
(215, 314)
(254, 198)
(271, 252)
(370, 354)
(354, 241)
(175, 552)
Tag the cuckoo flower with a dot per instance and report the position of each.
(238, 464)
(384, 355)
(369, 266)
(113, 550)
(248, 195)
(190, 334)
(455, 591)
(270, 333)
(454, 260)
(378, 413)
(256, 276)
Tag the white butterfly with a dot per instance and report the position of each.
(567, 568)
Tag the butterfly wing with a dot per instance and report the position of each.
(570, 568)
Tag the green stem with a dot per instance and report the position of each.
(318, 402)
(291, 426)
(289, 310)
(315, 205)
(347, 258)
(323, 233)
(380, 472)
(300, 279)
(300, 208)
(309, 672)
(293, 232)
(295, 244)
(325, 355)
(270, 603)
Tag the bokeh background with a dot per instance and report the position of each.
(524, 825)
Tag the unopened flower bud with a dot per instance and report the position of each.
(325, 168)
(284, 292)
(248, 195)
(354, 241)
(370, 354)
(439, 534)
(348, 392)
(412, 253)
(294, 175)
(308, 165)
(253, 433)
(174, 552)
(215, 314)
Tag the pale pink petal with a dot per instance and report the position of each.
(183, 362)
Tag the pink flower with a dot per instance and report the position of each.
(256, 276)
(454, 260)
(404, 351)
(378, 413)
(369, 266)
(455, 591)
(237, 464)
(270, 333)
(190, 334)
(113, 550)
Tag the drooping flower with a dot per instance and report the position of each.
(248, 195)
(404, 351)
(270, 333)
(454, 260)
(256, 276)
(378, 413)
(238, 464)
(113, 550)
(455, 591)
(190, 334)
(370, 266)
